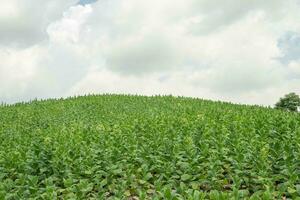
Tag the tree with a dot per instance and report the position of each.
(289, 102)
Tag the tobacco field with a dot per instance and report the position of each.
(137, 147)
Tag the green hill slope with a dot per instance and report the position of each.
(134, 147)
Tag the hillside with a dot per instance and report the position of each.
(135, 147)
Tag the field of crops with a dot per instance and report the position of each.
(134, 147)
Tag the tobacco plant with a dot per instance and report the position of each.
(136, 147)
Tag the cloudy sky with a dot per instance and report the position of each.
(239, 51)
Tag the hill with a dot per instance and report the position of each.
(136, 147)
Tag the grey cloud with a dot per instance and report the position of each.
(27, 24)
(289, 45)
(84, 2)
(215, 16)
(149, 54)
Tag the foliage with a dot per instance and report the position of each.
(134, 147)
(289, 102)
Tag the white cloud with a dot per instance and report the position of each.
(16, 69)
(69, 27)
(204, 48)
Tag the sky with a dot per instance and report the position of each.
(240, 51)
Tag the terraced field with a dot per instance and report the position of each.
(135, 147)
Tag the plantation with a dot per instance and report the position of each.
(134, 147)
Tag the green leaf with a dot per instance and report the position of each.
(148, 176)
(291, 190)
(103, 182)
(186, 177)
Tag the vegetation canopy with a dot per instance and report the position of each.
(135, 147)
(289, 102)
